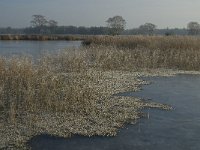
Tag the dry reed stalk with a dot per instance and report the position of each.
(72, 92)
(149, 42)
(128, 53)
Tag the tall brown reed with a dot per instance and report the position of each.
(63, 82)
(27, 87)
(42, 37)
(136, 52)
(149, 42)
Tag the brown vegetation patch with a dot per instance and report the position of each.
(41, 98)
(152, 52)
(42, 37)
(72, 92)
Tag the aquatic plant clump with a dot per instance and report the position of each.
(72, 92)
(148, 42)
(44, 98)
(146, 52)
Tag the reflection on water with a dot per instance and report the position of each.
(34, 48)
(178, 129)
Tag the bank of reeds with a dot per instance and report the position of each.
(72, 92)
(43, 37)
(136, 52)
(29, 92)
(29, 88)
(142, 58)
(149, 42)
(62, 95)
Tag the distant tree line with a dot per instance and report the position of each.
(115, 26)
(166, 32)
(67, 30)
(93, 31)
(9, 30)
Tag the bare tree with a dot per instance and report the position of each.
(39, 22)
(147, 28)
(193, 28)
(116, 25)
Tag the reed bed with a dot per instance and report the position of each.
(27, 88)
(72, 92)
(43, 37)
(148, 42)
(142, 58)
(61, 95)
(151, 52)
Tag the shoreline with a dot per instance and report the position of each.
(38, 37)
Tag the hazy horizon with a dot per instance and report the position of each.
(163, 13)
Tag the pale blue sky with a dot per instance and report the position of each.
(163, 13)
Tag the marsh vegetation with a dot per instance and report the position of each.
(72, 92)
(170, 52)
(40, 37)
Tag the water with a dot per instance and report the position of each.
(34, 48)
(178, 129)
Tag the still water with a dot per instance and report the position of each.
(34, 48)
(178, 129)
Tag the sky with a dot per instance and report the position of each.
(163, 13)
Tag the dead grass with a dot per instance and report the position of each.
(148, 42)
(62, 99)
(72, 92)
(136, 52)
(42, 37)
